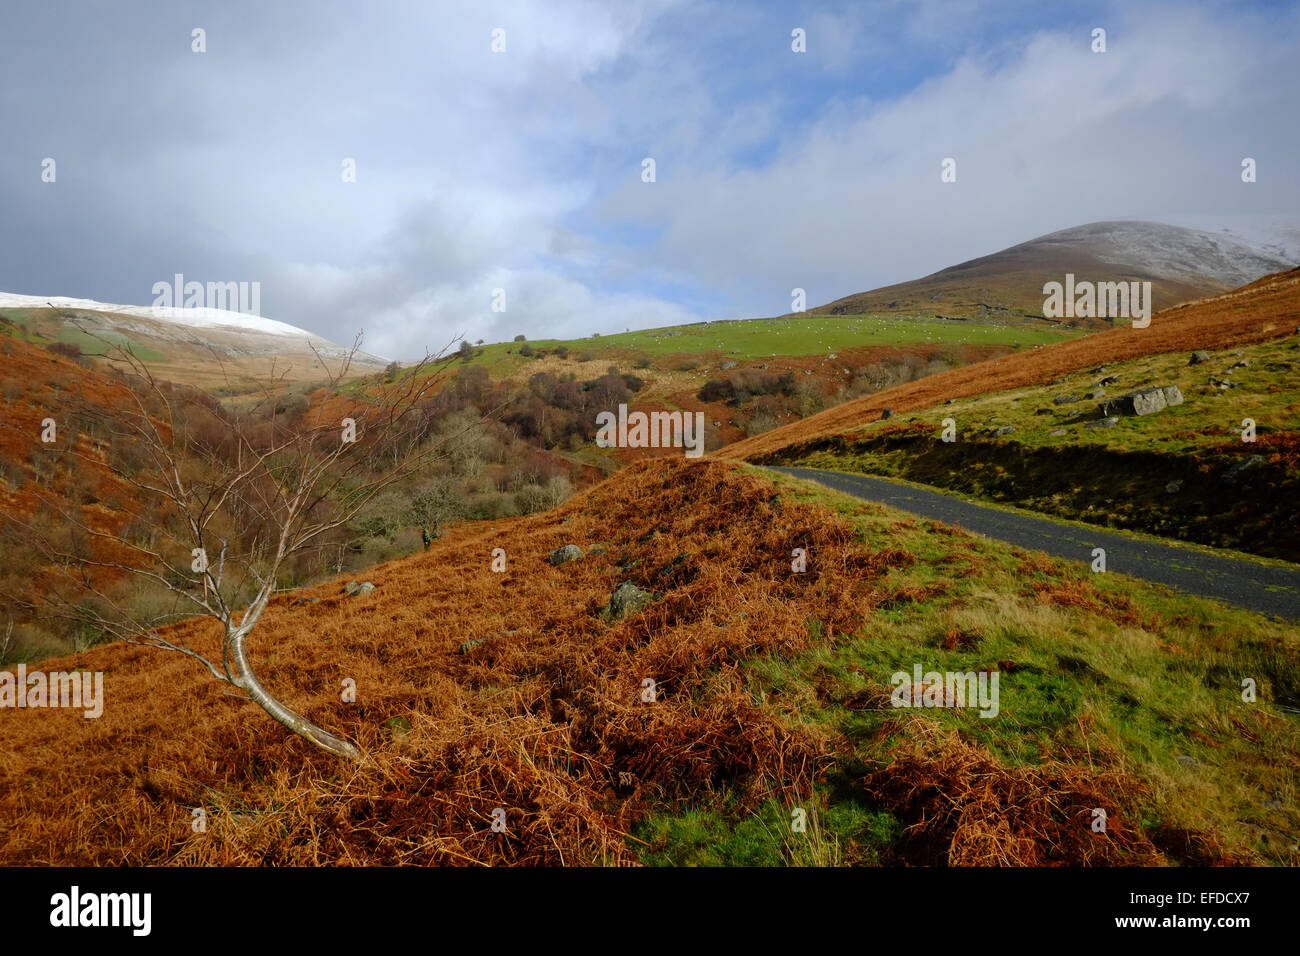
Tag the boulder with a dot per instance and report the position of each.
(1198, 357)
(886, 413)
(1064, 399)
(1109, 380)
(1174, 486)
(628, 599)
(353, 589)
(565, 554)
(1144, 401)
(1004, 430)
(1095, 394)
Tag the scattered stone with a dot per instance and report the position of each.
(1095, 394)
(467, 646)
(1174, 486)
(1187, 760)
(949, 401)
(728, 365)
(353, 589)
(1064, 399)
(886, 413)
(763, 366)
(298, 602)
(717, 424)
(1199, 357)
(1109, 380)
(1109, 422)
(1058, 432)
(565, 554)
(628, 599)
(1042, 411)
(1004, 430)
(1242, 364)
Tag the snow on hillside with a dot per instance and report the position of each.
(1176, 252)
(195, 318)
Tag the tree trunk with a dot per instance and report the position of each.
(246, 680)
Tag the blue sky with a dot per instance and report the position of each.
(521, 170)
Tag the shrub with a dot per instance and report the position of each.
(67, 350)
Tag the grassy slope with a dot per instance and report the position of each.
(1263, 311)
(1118, 477)
(789, 336)
(478, 691)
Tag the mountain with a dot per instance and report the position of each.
(180, 344)
(1181, 263)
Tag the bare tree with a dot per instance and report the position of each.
(230, 493)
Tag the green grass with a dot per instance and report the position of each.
(101, 343)
(786, 336)
(1149, 679)
(1267, 391)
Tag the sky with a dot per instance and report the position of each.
(522, 169)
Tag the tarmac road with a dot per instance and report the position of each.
(1264, 588)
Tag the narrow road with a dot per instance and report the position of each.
(1264, 588)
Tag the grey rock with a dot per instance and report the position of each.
(1109, 422)
(467, 646)
(1198, 357)
(1174, 486)
(1144, 401)
(1109, 380)
(1186, 760)
(1095, 394)
(565, 554)
(1005, 430)
(886, 413)
(1242, 364)
(727, 365)
(1058, 432)
(1235, 472)
(628, 599)
(1064, 399)
(354, 589)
